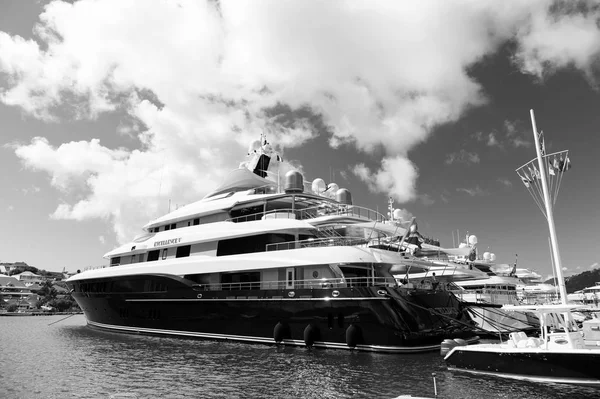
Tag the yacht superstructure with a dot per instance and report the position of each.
(254, 263)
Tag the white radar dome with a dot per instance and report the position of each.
(318, 186)
(473, 240)
(487, 256)
(254, 146)
(397, 213)
(332, 188)
(492, 257)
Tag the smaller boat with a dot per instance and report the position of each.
(560, 354)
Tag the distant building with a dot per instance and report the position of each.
(29, 278)
(13, 291)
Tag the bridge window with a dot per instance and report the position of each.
(183, 251)
(153, 255)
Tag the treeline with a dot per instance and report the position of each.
(579, 281)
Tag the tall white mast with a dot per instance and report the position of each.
(553, 240)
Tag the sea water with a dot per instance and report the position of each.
(68, 359)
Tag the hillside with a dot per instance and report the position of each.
(580, 281)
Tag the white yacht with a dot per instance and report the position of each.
(264, 262)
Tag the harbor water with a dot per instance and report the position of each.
(67, 359)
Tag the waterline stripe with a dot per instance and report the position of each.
(581, 381)
(266, 340)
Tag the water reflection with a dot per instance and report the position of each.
(69, 359)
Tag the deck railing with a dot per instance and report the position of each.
(318, 242)
(323, 283)
(330, 209)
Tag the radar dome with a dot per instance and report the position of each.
(254, 146)
(492, 257)
(332, 188)
(397, 213)
(487, 256)
(318, 186)
(294, 182)
(343, 196)
(473, 240)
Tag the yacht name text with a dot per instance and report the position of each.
(167, 242)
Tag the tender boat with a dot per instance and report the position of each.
(562, 353)
(266, 258)
(559, 354)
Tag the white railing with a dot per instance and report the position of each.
(323, 283)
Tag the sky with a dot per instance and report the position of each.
(113, 111)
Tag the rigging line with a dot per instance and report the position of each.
(54, 322)
(496, 323)
(535, 198)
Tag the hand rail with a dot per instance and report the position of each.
(323, 283)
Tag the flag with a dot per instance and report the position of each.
(564, 165)
(551, 167)
(525, 179)
(542, 143)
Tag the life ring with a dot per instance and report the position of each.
(281, 332)
(353, 335)
(311, 334)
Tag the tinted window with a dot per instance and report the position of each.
(183, 251)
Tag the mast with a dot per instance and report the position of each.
(549, 216)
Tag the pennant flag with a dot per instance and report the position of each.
(542, 143)
(551, 167)
(525, 179)
(564, 165)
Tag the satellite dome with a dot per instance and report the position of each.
(397, 213)
(332, 188)
(318, 186)
(254, 146)
(492, 257)
(294, 182)
(472, 239)
(487, 256)
(343, 196)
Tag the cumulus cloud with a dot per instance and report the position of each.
(200, 79)
(102, 239)
(510, 134)
(397, 177)
(462, 156)
(593, 265)
(473, 191)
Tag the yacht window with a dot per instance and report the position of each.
(248, 244)
(196, 222)
(153, 255)
(164, 253)
(241, 281)
(141, 258)
(183, 251)
(173, 226)
(115, 261)
(167, 227)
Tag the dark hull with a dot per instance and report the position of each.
(545, 366)
(382, 319)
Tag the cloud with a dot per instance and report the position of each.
(505, 182)
(462, 156)
(102, 240)
(593, 265)
(198, 80)
(511, 134)
(474, 191)
(31, 190)
(426, 199)
(10, 208)
(391, 178)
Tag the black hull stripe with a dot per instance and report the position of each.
(559, 380)
(264, 340)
